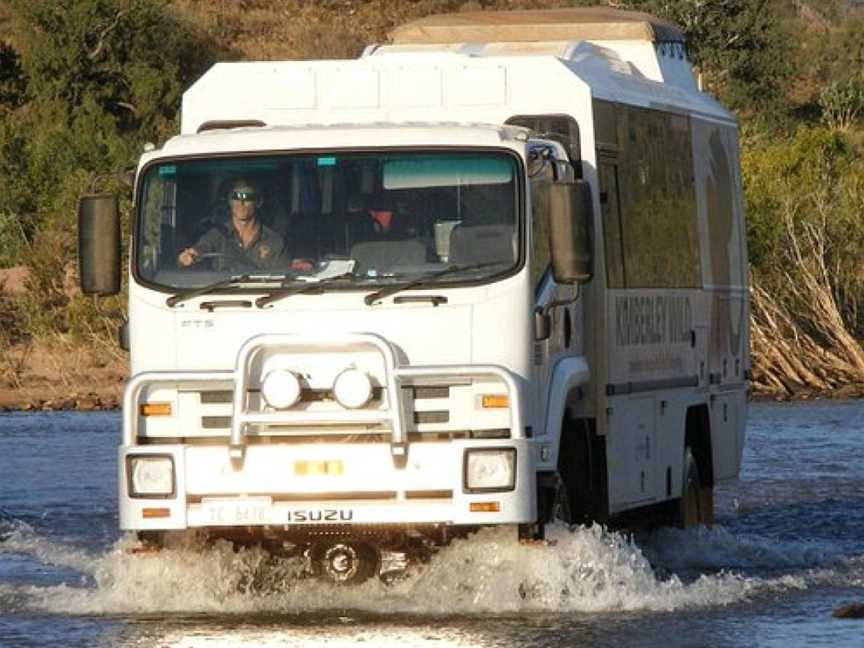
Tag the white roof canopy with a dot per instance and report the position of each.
(595, 23)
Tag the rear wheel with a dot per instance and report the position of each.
(696, 506)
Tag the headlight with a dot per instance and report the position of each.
(352, 388)
(280, 388)
(151, 476)
(490, 469)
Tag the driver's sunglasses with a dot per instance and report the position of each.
(244, 196)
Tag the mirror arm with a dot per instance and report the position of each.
(545, 310)
(542, 324)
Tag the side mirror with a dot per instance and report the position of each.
(99, 244)
(570, 231)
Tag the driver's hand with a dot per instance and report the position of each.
(187, 257)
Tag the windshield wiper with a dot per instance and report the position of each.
(308, 287)
(422, 281)
(232, 281)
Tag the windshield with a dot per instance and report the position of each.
(377, 218)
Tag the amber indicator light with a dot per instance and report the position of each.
(155, 409)
(150, 513)
(485, 507)
(495, 401)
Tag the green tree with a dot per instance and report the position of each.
(739, 45)
(810, 190)
(130, 59)
(96, 79)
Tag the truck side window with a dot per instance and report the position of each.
(559, 128)
(540, 210)
(611, 207)
(159, 223)
(657, 232)
(720, 192)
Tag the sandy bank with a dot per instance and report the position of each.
(60, 375)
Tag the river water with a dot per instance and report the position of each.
(787, 550)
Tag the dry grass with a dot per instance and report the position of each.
(4, 22)
(808, 346)
(301, 29)
(57, 367)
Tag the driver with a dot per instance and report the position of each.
(246, 239)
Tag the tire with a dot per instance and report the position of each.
(696, 506)
(573, 490)
(152, 539)
(363, 558)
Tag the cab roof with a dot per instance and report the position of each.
(340, 136)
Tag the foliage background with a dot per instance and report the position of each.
(85, 83)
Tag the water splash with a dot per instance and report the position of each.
(584, 569)
(7, 524)
(714, 549)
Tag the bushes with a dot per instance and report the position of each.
(842, 103)
(12, 84)
(13, 242)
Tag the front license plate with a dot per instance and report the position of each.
(247, 510)
(318, 468)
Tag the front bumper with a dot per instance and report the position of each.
(288, 485)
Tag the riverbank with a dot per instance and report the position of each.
(40, 399)
(60, 375)
(844, 392)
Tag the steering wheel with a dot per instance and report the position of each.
(209, 256)
(231, 260)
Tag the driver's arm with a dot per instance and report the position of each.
(207, 243)
(289, 259)
(283, 259)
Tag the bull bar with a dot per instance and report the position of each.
(394, 376)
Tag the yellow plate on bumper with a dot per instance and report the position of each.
(317, 468)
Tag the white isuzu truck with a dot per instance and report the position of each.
(492, 273)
